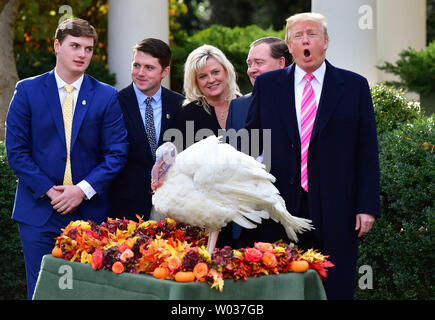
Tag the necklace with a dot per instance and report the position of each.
(221, 115)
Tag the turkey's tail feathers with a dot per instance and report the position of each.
(291, 224)
(253, 215)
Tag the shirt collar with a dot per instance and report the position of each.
(60, 83)
(140, 96)
(319, 73)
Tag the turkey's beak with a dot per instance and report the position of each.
(155, 181)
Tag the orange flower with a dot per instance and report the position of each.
(253, 255)
(200, 270)
(174, 263)
(269, 260)
(263, 246)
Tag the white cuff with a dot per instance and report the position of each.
(87, 189)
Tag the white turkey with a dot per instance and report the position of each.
(211, 184)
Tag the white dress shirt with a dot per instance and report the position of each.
(84, 185)
(316, 83)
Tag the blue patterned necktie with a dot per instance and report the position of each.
(149, 126)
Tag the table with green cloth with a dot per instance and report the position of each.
(63, 280)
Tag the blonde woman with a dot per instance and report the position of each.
(209, 86)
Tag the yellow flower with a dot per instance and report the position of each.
(82, 224)
(170, 221)
(131, 228)
(204, 253)
(238, 254)
(85, 257)
(278, 250)
(313, 256)
(147, 224)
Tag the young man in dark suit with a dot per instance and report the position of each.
(148, 110)
(65, 141)
(324, 150)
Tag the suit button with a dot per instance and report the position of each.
(292, 146)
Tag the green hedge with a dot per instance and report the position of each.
(12, 269)
(392, 108)
(400, 248)
(234, 42)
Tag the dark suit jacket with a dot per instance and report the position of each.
(238, 112)
(35, 144)
(343, 166)
(130, 193)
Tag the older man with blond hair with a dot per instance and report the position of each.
(324, 148)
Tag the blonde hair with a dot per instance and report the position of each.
(306, 16)
(197, 60)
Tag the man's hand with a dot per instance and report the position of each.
(364, 223)
(53, 193)
(69, 199)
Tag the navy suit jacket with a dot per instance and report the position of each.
(343, 165)
(130, 193)
(238, 112)
(36, 149)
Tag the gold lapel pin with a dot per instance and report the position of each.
(84, 102)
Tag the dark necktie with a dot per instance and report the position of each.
(149, 126)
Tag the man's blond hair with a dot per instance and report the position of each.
(306, 16)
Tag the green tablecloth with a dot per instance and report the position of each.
(61, 279)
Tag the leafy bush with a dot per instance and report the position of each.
(416, 69)
(12, 269)
(234, 43)
(392, 108)
(400, 247)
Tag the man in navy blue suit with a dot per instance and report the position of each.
(130, 192)
(338, 185)
(65, 141)
(265, 54)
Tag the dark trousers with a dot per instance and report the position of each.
(39, 241)
(308, 239)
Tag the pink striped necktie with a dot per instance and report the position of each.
(308, 114)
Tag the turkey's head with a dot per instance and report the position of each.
(165, 157)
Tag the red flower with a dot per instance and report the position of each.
(253, 255)
(97, 259)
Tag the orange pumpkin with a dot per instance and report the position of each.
(118, 267)
(57, 252)
(299, 266)
(184, 276)
(161, 272)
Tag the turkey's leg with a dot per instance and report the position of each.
(212, 239)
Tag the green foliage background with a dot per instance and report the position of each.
(400, 248)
